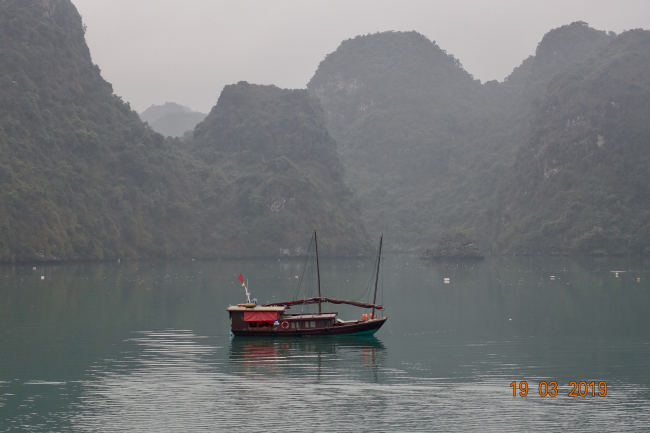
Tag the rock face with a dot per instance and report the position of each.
(456, 246)
(580, 185)
(279, 175)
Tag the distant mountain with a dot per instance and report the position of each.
(171, 119)
(155, 112)
(177, 124)
(581, 182)
(277, 176)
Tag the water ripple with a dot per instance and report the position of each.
(178, 383)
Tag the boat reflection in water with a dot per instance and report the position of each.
(359, 357)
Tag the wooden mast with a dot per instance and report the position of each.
(318, 271)
(374, 301)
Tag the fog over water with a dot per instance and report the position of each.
(154, 51)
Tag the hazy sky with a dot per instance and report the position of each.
(185, 51)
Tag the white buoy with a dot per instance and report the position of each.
(638, 280)
(42, 277)
(34, 267)
(296, 277)
(552, 277)
(446, 280)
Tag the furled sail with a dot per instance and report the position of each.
(320, 300)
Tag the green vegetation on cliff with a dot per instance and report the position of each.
(82, 177)
(581, 185)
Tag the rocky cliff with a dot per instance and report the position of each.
(580, 184)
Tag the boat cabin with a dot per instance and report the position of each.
(267, 318)
(242, 317)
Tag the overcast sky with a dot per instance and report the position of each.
(185, 51)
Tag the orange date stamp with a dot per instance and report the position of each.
(549, 389)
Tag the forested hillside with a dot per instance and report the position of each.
(82, 177)
(582, 184)
(425, 146)
(552, 160)
(277, 174)
(403, 112)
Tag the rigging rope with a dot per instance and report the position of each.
(309, 267)
(371, 281)
(296, 291)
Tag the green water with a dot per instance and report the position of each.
(145, 347)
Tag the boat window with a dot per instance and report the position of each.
(312, 324)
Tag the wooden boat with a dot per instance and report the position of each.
(272, 320)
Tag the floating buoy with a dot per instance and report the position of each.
(364, 317)
(446, 280)
(34, 267)
(638, 280)
(42, 277)
(552, 277)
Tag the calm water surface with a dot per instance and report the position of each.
(145, 347)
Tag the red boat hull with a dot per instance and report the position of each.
(367, 327)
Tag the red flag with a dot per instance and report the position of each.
(241, 278)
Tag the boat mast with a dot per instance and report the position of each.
(374, 300)
(317, 271)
